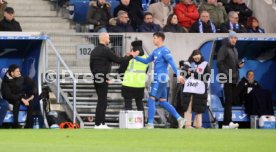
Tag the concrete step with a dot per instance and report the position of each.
(46, 30)
(41, 20)
(28, 2)
(44, 26)
(33, 7)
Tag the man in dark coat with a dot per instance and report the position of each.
(9, 23)
(134, 10)
(99, 14)
(148, 25)
(204, 24)
(228, 65)
(240, 7)
(100, 66)
(121, 24)
(17, 90)
(233, 24)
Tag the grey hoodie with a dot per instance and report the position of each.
(228, 58)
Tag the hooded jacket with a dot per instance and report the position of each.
(228, 58)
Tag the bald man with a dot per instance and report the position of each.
(100, 66)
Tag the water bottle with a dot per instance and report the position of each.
(36, 123)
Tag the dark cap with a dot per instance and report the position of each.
(9, 10)
(138, 45)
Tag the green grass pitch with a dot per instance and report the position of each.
(120, 140)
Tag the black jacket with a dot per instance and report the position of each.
(225, 27)
(207, 28)
(244, 11)
(228, 58)
(242, 90)
(12, 25)
(199, 100)
(120, 28)
(13, 89)
(135, 13)
(149, 27)
(99, 14)
(102, 57)
(173, 28)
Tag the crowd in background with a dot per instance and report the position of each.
(204, 16)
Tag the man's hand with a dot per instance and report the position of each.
(241, 65)
(128, 53)
(25, 102)
(181, 79)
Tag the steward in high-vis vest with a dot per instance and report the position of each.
(134, 80)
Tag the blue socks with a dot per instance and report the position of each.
(151, 110)
(166, 105)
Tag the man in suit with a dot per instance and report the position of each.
(160, 12)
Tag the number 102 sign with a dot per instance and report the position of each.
(83, 51)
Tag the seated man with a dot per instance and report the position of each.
(99, 14)
(204, 24)
(121, 24)
(257, 101)
(148, 25)
(17, 90)
(232, 24)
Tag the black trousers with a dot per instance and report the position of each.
(101, 90)
(139, 104)
(16, 106)
(230, 96)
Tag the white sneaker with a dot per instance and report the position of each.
(233, 125)
(181, 122)
(149, 126)
(101, 126)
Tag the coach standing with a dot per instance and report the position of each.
(100, 66)
(229, 64)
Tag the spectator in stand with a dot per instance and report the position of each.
(253, 25)
(17, 90)
(240, 7)
(217, 12)
(148, 25)
(172, 25)
(160, 12)
(204, 24)
(3, 5)
(98, 14)
(121, 24)
(232, 24)
(134, 10)
(187, 14)
(9, 23)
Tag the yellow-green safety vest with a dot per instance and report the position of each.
(135, 75)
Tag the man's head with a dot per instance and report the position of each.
(104, 38)
(250, 76)
(158, 39)
(166, 2)
(125, 2)
(148, 17)
(212, 1)
(101, 2)
(233, 17)
(123, 17)
(233, 37)
(9, 13)
(204, 16)
(14, 71)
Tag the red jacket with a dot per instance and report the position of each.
(186, 14)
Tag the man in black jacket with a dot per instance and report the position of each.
(240, 7)
(229, 64)
(121, 24)
(17, 90)
(204, 24)
(232, 24)
(100, 66)
(99, 14)
(9, 23)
